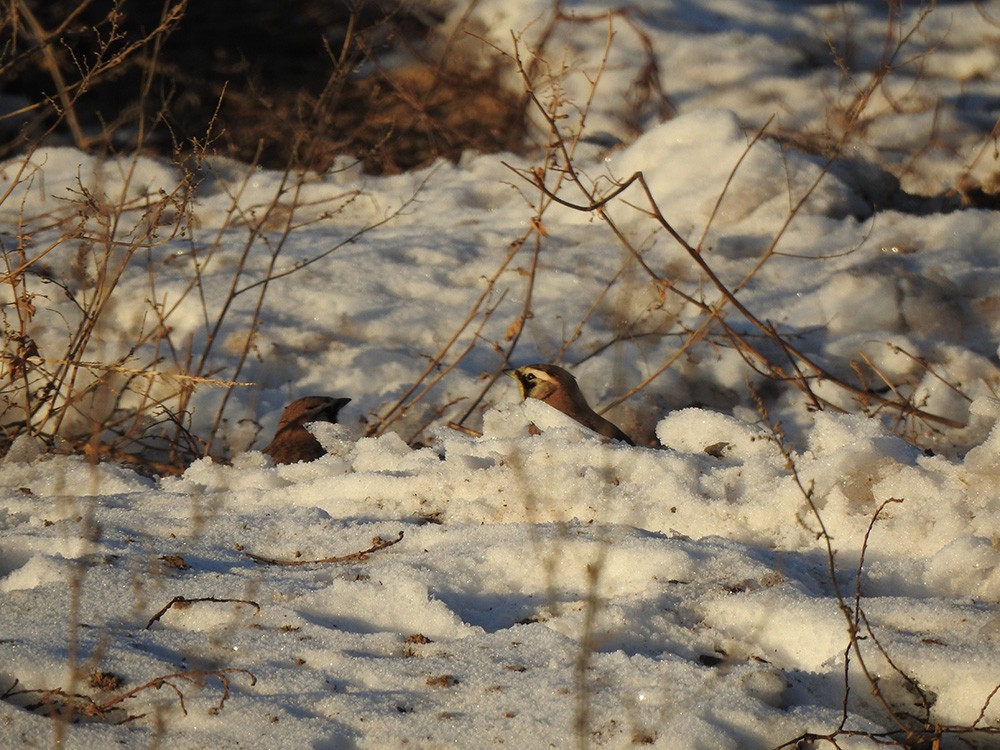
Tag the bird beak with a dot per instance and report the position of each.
(517, 378)
(337, 405)
(329, 410)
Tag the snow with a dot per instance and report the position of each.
(677, 593)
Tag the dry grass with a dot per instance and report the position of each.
(281, 88)
(68, 378)
(183, 83)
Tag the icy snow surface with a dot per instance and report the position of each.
(552, 590)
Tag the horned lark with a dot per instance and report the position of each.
(292, 441)
(558, 389)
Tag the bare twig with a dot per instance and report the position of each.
(183, 602)
(66, 705)
(378, 543)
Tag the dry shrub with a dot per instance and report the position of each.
(183, 82)
(282, 88)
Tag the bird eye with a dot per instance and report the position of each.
(530, 377)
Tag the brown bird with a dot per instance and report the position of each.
(292, 441)
(558, 389)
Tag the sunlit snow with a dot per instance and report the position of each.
(552, 590)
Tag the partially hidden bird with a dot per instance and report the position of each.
(554, 386)
(292, 441)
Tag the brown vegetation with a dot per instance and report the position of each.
(282, 85)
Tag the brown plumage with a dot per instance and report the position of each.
(293, 442)
(559, 389)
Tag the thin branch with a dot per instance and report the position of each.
(378, 543)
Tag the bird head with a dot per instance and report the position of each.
(542, 381)
(312, 409)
